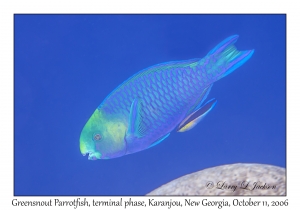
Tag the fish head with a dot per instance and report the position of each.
(102, 137)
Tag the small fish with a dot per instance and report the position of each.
(142, 111)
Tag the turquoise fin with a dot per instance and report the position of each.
(204, 94)
(201, 99)
(229, 55)
(135, 128)
(224, 44)
(159, 140)
(193, 119)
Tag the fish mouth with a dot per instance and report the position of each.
(86, 149)
(92, 155)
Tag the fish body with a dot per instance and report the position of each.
(143, 110)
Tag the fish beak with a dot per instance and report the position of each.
(94, 155)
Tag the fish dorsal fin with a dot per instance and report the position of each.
(135, 128)
(173, 64)
(155, 68)
(193, 119)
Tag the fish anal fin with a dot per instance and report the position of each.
(159, 140)
(204, 95)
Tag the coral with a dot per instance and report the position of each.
(233, 179)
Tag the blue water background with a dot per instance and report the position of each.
(65, 65)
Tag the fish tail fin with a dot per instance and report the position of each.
(228, 57)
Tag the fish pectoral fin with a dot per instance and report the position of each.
(194, 118)
(159, 140)
(135, 127)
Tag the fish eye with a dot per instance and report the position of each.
(97, 137)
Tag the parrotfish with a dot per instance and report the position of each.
(142, 111)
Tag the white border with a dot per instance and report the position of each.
(9, 8)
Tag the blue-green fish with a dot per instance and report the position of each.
(143, 110)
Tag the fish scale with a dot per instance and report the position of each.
(155, 95)
(144, 109)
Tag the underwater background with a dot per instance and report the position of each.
(65, 65)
